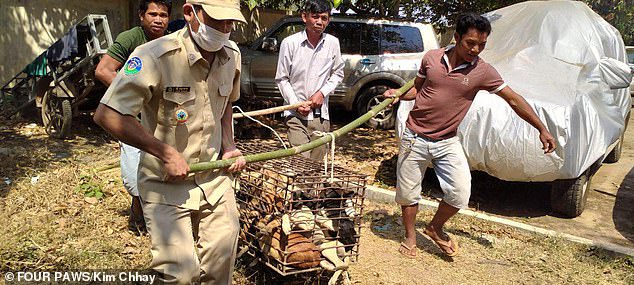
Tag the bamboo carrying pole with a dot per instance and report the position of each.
(305, 147)
(267, 111)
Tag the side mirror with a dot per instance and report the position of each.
(269, 44)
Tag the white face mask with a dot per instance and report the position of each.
(207, 37)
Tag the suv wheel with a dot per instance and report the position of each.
(371, 97)
(615, 155)
(568, 197)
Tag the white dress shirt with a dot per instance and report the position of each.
(303, 69)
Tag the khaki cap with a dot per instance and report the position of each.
(221, 9)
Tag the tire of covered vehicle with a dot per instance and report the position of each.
(371, 97)
(568, 197)
(615, 155)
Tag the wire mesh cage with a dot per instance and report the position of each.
(294, 219)
(246, 128)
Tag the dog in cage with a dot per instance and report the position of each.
(301, 225)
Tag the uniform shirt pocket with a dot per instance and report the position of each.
(177, 105)
(224, 90)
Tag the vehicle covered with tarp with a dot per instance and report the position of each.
(570, 65)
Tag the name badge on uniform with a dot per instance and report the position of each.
(176, 89)
(179, 95)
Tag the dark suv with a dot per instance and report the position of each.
(377, 53)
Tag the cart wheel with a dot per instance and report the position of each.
(57, 115)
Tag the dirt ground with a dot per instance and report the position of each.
(52, 222)
(490, 254)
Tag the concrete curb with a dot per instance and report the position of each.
(377, 194)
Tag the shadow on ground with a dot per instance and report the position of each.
(390, 227)
(511, 199)
(623, 213)
(26, 150)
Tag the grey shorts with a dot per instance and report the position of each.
(450, 164)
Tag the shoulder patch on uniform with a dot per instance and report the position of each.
(133, 66)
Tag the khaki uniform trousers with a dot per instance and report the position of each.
(301, 132)
(194, 245)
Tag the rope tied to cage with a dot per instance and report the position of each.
(245, 114)
(332, 155)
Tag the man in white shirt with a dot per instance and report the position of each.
(309, 69)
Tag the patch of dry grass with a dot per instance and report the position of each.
(50, 225)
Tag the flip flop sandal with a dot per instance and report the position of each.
(445, 246)
(408, 251)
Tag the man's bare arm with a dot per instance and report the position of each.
(410, 94)
(524, 110)
(107, 69)
(128, 130)
(229, 148)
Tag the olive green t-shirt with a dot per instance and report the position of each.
(126, 42)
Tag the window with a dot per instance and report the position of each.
(401, 39)
(370, 38)
(348, 35)
(285, 31)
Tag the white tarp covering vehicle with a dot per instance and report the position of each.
(570, 65)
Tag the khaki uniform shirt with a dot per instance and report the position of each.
(181, 99)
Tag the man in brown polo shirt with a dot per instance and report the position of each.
(444, 89)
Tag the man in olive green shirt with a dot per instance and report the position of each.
(153, 15)
(125, 44)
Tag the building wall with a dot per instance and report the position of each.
(30, 26)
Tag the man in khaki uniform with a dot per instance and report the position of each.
(183, 85)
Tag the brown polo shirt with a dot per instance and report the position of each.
(181, 98)
(447, 93)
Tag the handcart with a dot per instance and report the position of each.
(61, 81)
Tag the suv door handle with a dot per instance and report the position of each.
(367, 61)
